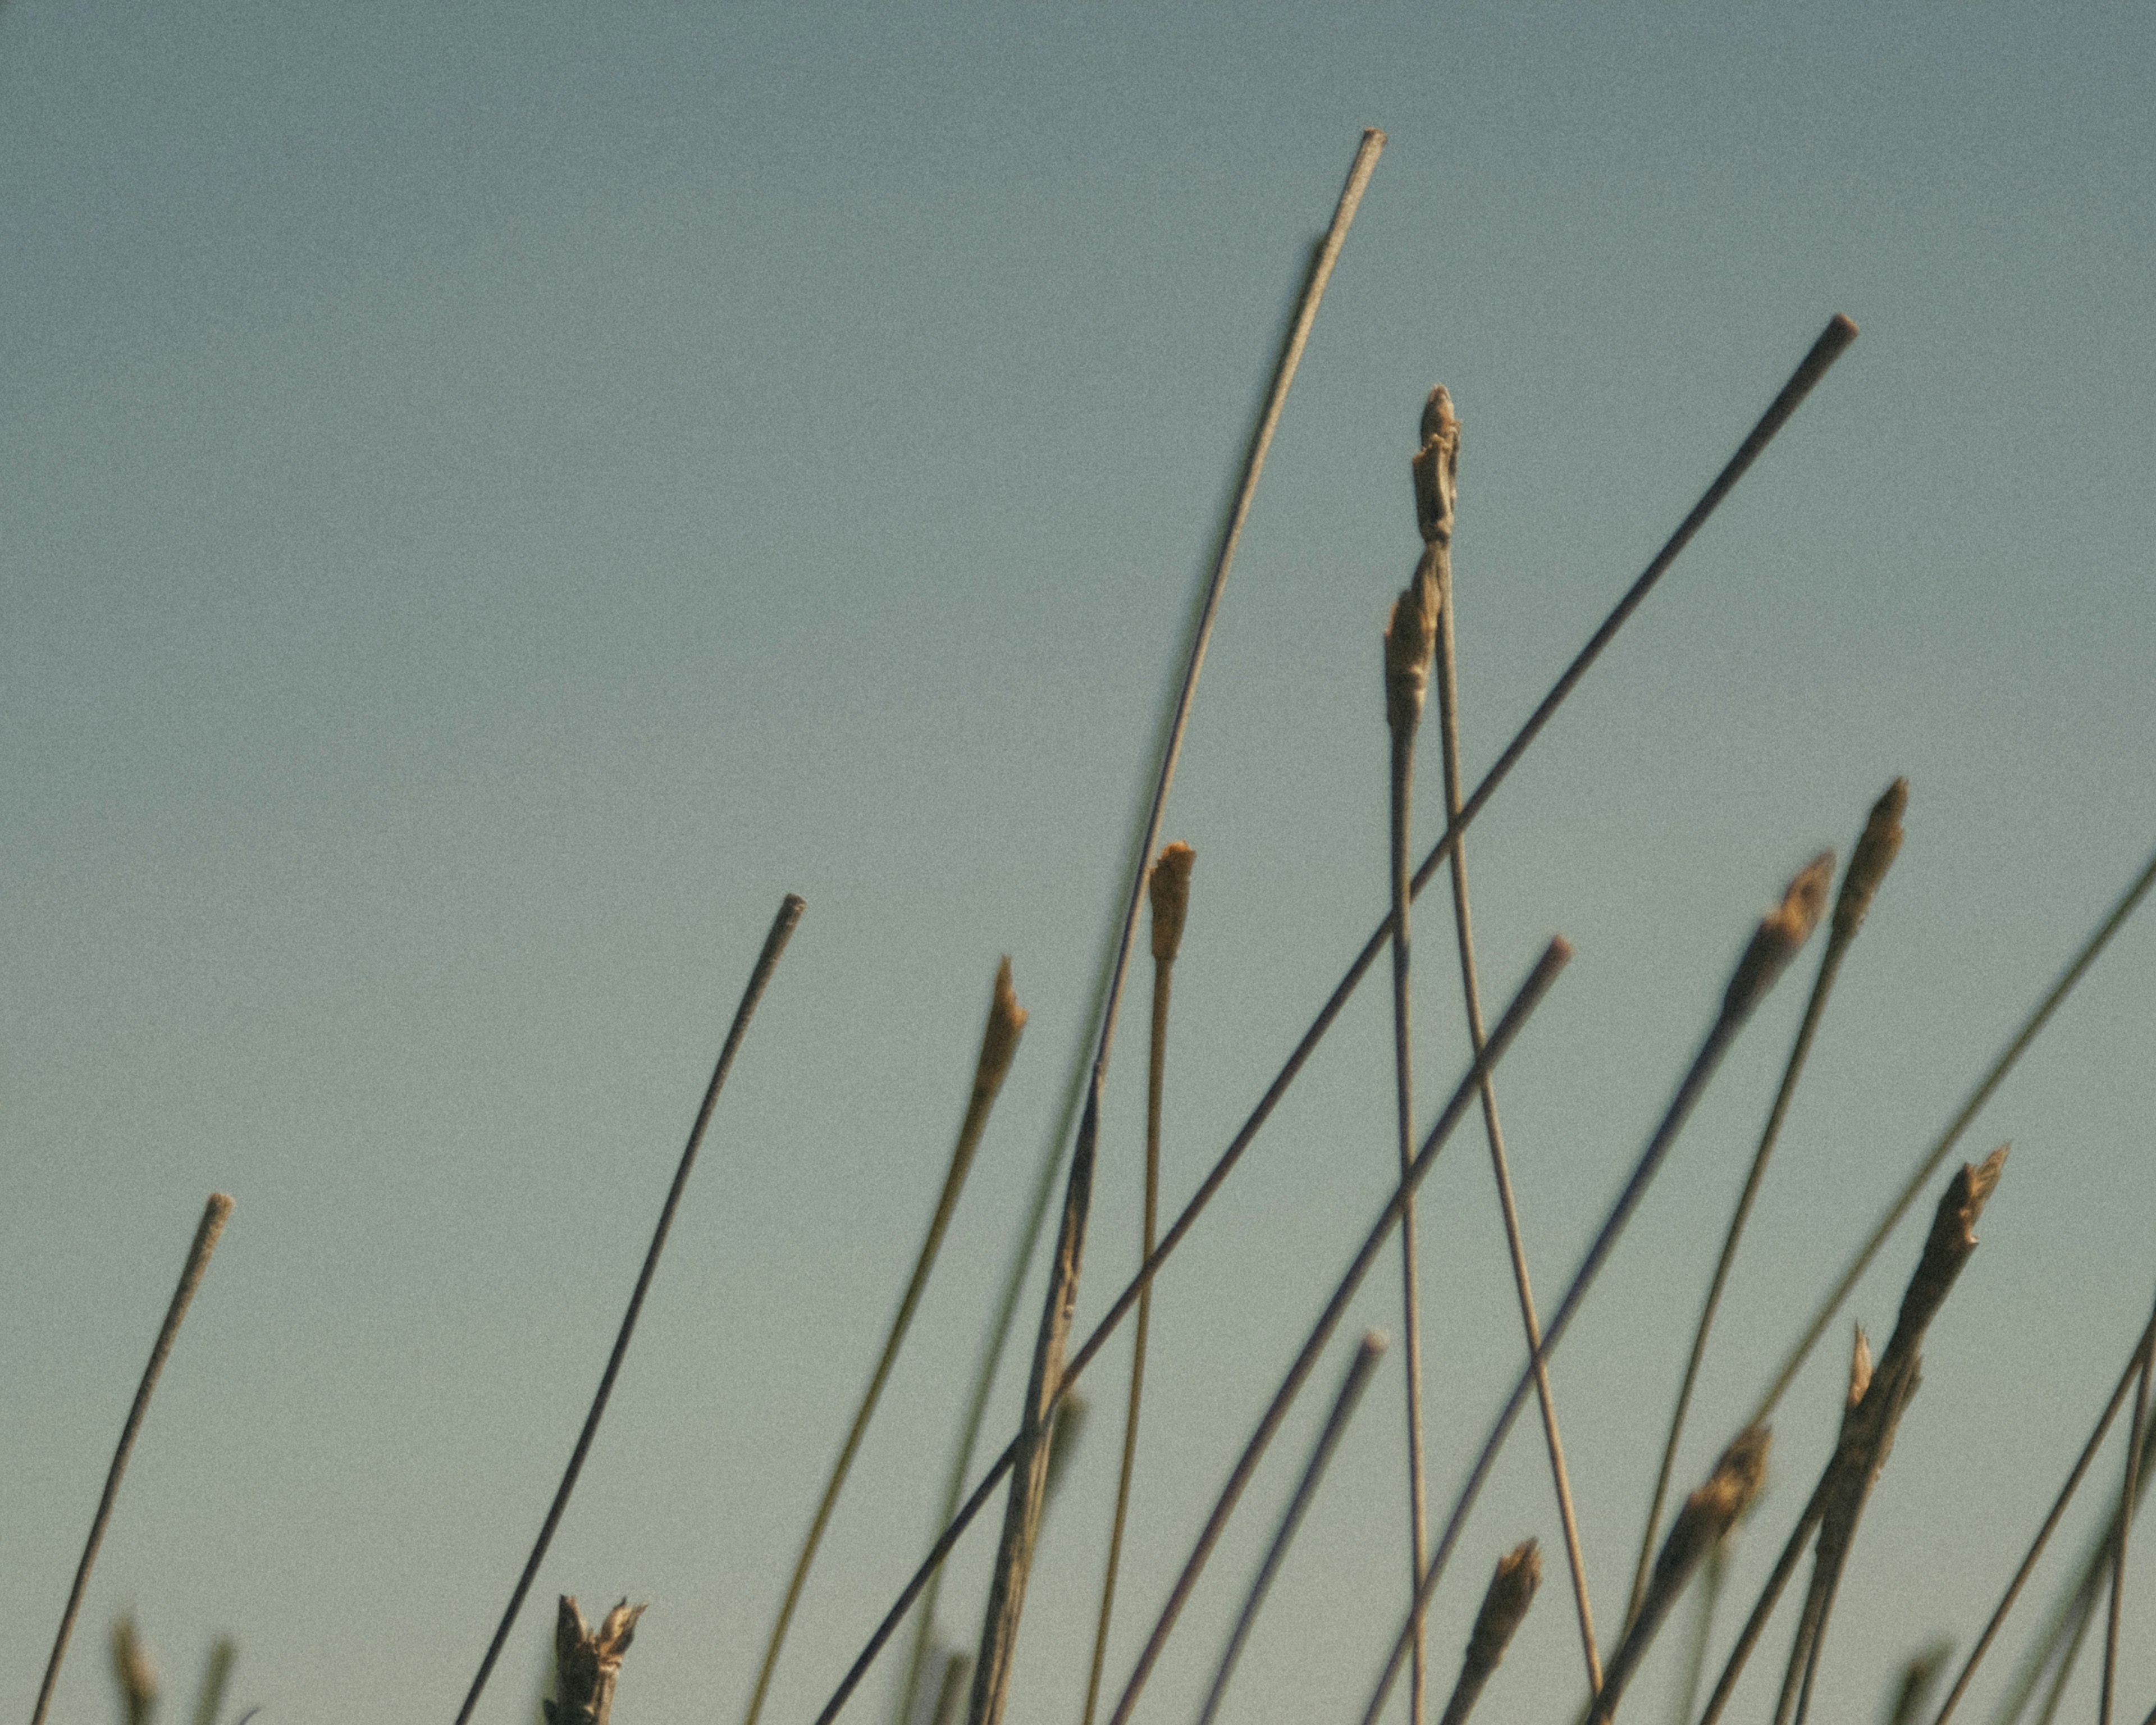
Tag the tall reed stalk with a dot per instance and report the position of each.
(1436, 470)
(774, 946)
(1876, 847)
(1169, 891)
(215, 1214)
(1410, 639)
(999, 1039)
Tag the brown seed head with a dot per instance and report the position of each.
(1868, 863)
(1169, 886)
(1511, 1590)
(588, 1662)
(1859, 1369)
(1410, 641)
(1733, 1485)
(1781, 932)
(999, 1040)
(1951, 1241)
(1436, 469)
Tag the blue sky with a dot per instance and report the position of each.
(495, 496)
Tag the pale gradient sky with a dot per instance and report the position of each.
(492, 496)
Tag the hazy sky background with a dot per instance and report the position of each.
(493, 495)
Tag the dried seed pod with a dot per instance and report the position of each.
(1511, 1590)
(1410, 643)
(999, 1039)
(1436, 469)
(1875, 852)
(1781, 932)
(1169, 887)
(588, 1662)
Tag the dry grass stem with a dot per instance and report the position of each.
(951, 1691)
(1359, 1371)
(2136, 1363)
(1504, 1603)
(132, 1674)
(1876, 850)
(1410, 639)
(1436, 469)
(774, 945)
(999, 1040)
(1700, 1525)
(1168, 889)
(1780, 932)
(215, 1214)
(1817, 361)
(1007, 1586)
(1914, 1688)
(216, 1675)
(1553, 959)
(2137, 1439)
(588, 1662)
(1929, 1163)
(1867, 1427)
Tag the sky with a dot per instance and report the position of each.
(493, 497)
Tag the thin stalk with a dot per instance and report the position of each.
(1014, 1554)
(1711, 1587)
(1776, 940)
(215, 1214)
(1929, 1163)
(1870, 1414)
(1435, 467)
(1828, 348)
(1553, 959)
(999, 1040)
(2137, 1438)
(1875, 853)
(2136, 1362)
(2066, 1660)
(1410, 637)
(2072, 1610)
(1171, 900)
(1697, 1533)
(1359, 1370)
(216, 1675)
(774, 944)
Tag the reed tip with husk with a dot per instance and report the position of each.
(1167, 886)
(1504, 1603)
(588, 1662)
(1876, 850)
(1411, 644)
(1951, 1241)
(1859, 1369)
(999, 1040)
(1782, 931)
(1436, 468)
